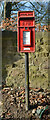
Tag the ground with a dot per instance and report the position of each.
(14, 104)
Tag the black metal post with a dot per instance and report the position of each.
(27, 80)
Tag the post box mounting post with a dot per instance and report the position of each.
(27, 80)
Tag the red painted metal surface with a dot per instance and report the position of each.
(26, 22)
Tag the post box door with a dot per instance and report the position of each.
(26, 31)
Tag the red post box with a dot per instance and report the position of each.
(26, 31)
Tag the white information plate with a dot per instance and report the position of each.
(26, 48)
(26, 37)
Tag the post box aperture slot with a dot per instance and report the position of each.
(26, 38)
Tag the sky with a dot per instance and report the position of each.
(29, 5)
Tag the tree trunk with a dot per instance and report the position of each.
(4, 9)
(7, 9)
